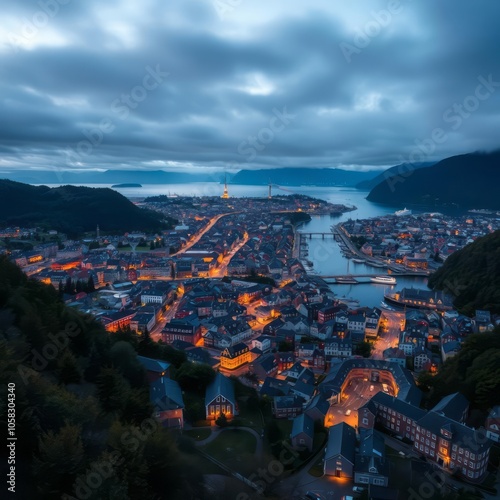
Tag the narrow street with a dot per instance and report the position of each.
(389, 338)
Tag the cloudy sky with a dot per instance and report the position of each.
(186, 84)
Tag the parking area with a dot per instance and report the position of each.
(356, 394)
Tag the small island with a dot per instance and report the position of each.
(127, 185)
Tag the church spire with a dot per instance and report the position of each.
(225, 195)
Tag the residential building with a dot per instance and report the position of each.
(264, 366)
(449, 349)
(371, 466)
(235, 356)
(168, 404)
(117, 320)
(155, 368)
(287, 406)
(493, 424)
(340, 450)
(219, 398)
(302, 435)
(449, 444)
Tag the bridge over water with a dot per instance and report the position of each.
(358, 279)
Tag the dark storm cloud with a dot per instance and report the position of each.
(80, 74)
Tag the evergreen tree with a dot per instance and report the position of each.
(112, 390)
(221, 420)
(90, 285)
(60, 457)
(68, 287)
(69, 371)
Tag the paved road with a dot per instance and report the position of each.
(391, 337)
(200, 233)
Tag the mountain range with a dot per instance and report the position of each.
(302, 177)
(397, 170)
(109, 177)
(463, 181)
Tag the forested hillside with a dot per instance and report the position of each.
(74, 209)
(472, 276)
(82, 404)
(464, 181)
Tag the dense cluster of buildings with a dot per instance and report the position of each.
(418, 241)
(281, 334)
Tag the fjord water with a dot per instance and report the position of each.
(324, 253)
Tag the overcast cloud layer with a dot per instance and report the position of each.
(180, 84)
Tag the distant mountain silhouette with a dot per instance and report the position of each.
(466, 181)
(401, 169)
(302, 177)
(73, 209)
(110, 177)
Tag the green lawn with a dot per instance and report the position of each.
(317, 469)
(234, 448)
(285, 426)
(198, 434)
(250, 419)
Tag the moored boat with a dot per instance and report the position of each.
(384, 280)
(405, 211)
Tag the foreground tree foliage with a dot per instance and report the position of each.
(474, 371)
(83, 417)
(472, 276)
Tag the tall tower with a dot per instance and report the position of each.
(97, 231)
(225, 195)
(269, 195)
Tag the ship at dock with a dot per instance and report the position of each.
(416, 298)
(405, 211)
(384, 280)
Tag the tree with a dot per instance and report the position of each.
(221, 420)
(68, 286)
(285, 346)
(124, 359)
(194, 377)
(146, 337)
(59, 459)
(425, 380)
(69, 371)
(90, 285)
(273, 432)
(364, 349)
(112, 390)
